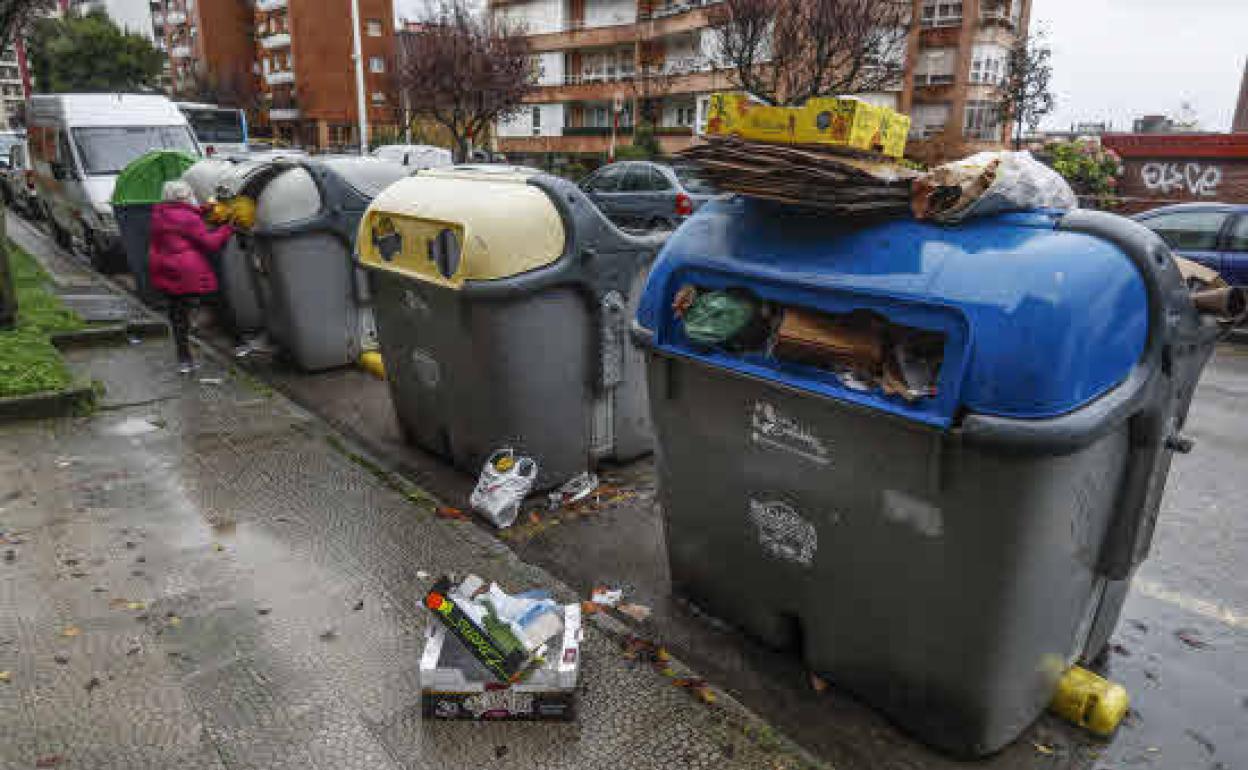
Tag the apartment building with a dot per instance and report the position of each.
(13, 86)
(603, 63)
(290, 62)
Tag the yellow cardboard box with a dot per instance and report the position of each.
(821, 120)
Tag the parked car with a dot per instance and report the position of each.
(79, 143)
(644, 194)
(415, 155)
(1213, 234)
(17, 181)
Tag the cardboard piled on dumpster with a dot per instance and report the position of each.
(494, 655)
(831, 179)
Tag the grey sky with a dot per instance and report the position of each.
(1114, 60)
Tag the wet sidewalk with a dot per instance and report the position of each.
(202, 575)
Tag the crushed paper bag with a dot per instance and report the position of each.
(989, 183)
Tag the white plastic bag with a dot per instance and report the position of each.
(990, 183)
(504, 483)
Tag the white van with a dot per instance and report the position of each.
(79, 143)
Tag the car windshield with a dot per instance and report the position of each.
(216, 125)
(109, 150)
(692, 180)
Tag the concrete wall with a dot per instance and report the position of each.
(1150, 182)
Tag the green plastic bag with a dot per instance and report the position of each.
(717, 317)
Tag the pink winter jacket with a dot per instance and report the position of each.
(181, 249)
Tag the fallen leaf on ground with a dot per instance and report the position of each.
(421, 574)
(136, 606)
(71, 631)
(174, 620)
(638, 612)
(358, 605)
(218, 547)
(92, 683)
(1042, 748)
(590, 608)
(535, 517)
(328, 635)
(817, 683)
(263, 610)
(49, 760)
(60, 658)
(4, 676)
(1191, 637)
(447, 512)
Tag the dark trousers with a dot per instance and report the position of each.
(180, 306)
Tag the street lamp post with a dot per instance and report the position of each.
(361, 102)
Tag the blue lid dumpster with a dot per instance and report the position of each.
(928, 457)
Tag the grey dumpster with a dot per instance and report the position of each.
(502, 304)
(226, 180)
(944, 538)
(316, 304)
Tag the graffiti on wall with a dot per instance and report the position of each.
(1196, 179)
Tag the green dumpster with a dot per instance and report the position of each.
(138, 188)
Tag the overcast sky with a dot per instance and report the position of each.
(1114, 60)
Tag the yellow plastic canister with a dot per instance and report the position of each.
(1090, 701)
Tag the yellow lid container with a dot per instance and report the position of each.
(446, 227)
(1090, 701)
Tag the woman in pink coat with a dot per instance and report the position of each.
(180, 260)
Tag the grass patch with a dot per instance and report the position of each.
(29, 363)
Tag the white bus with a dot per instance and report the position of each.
(220, 130)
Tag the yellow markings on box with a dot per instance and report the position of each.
(448, 229)
(848, 123)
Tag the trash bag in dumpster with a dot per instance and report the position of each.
(502, 302)
(317, 306)
(944, 552)
(140, 186)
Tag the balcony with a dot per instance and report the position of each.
(180, 52)
(280, 78)
(174, 18)
(284, 113)
(671, 20)
(268, 6)
(589, 89)
(275, 41)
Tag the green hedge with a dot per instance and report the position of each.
(29, 363)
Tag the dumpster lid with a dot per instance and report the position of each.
(142, 181)
(502, 225)
(367, 176)
(1037, 321)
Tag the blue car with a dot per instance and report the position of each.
(1213, 234)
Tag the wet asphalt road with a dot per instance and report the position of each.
(1180, 649)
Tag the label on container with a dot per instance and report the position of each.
(771, 428)
(783, 532)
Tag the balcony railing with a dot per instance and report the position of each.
(284, 113)
(672, 9)
(278, 40)
(590, 78)
(174, 18)
(933, 79)
(280, 78)
(180, 52)
(267, 6)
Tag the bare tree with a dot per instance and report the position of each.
(465, 71)
(1024, 94)
(786, 51)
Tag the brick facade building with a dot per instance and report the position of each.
(593, 53)
(289, 62)
(1160, 169)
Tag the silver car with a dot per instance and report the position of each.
(647, 195)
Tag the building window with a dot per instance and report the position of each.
(928, 120)
(374, 27)
(983, 121)
(936, 66)
(379, 97)
(942, 13)
(376, 64)
(988, 63)
(537, 121)
(685, 116)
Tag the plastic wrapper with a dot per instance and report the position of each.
(504, 483)
(989, 183)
